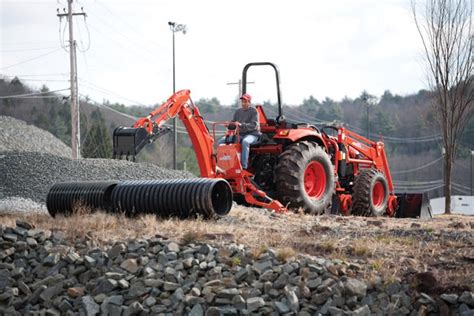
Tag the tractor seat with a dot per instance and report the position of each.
(256, 144)
(259, 142)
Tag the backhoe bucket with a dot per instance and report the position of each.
(415, 205)
(128, 141)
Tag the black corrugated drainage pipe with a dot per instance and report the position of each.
(64, 198)
(181, 198)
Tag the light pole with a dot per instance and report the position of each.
(175, 28)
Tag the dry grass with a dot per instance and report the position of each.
(191, 237)
(291, 234)
(285, 254)
(258, 250)
(327, 246)
(361, 249)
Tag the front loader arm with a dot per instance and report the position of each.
(128, 141)
(372, 153)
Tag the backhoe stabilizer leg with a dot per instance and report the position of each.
(268, 204)
(257, 197)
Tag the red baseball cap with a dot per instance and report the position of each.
(246, 96)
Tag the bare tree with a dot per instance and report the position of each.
(446, 30)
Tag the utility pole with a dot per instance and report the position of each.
(240, 86)
(75, 114)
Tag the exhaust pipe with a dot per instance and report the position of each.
(181, 198)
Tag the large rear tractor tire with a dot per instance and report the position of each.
(370, 193)
(305, 178)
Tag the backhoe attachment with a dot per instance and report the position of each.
(128, 141)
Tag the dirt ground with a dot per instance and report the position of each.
(434, 256)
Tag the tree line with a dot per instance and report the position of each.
(402, 121)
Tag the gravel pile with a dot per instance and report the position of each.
(43, 274)
(17, 135)
(17, 204)
(29, 175)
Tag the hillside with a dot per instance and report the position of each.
(406, 124)
(251, 261)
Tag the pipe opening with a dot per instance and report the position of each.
(221, 197)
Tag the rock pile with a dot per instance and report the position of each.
(32, 159)
(30, 174)
(43, 273)
(17, 135)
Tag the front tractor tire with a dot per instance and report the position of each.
(370, 193)
(305, 178)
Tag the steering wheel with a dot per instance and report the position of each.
(328, 127)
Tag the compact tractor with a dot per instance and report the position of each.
(294, 165)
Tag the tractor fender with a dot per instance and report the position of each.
(298, 135)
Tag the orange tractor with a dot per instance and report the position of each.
(294, 165)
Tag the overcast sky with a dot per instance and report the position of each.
(322, 48)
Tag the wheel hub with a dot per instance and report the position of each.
(315, 179)
(378, 193)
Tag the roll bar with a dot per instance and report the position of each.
(277, 76)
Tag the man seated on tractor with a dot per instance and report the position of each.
(246, 118)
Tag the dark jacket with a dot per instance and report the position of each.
(248, 119)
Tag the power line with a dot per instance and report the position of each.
(62, 33)
(83, 50)
(417, 183)
(25, 49)
(125, 48)
(30, 94)
(126, 23)
(29, 43)
(95, 87)
(11, 77)
(128, 39)
(435, 136)
(43, 97)
(418, 168)
(388, 139)
(462, 190)
(180, 129)
(418, 190)
(305, 115)
(31, 59)
(44, 80)
(36, 75)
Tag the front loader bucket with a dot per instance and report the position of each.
(128, 141)
(415, 205)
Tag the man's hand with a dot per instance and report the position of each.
(233, 125)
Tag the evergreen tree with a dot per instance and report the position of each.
(208, 106)
(97, 143)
